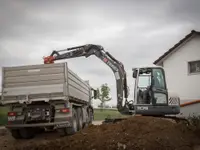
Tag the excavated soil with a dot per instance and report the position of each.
(136, 133)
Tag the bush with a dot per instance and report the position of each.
(3, 120)
(3, 115)
(194, 121)
(193, 124)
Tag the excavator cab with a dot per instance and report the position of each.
(151, 94)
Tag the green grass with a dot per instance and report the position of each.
(3, 117)
(98, 114)
(101, 115)
(3, 120)
(3, 110)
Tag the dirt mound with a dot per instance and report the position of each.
(135, 133)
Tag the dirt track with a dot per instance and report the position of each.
(7, 142)
(135, 133)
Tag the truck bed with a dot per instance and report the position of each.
(42, 82)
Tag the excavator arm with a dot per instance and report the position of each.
(116, 66)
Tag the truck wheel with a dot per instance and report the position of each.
(90, 116)
(80, 118)
(70, 130)
(62, 132)
(74, 127)
(39, 130)
(15, 134)
(50, 128)
(27, 133)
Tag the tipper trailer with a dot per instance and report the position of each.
(49, 97)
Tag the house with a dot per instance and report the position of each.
(182, 67)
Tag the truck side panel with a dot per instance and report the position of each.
(77, 87)
(42, 82)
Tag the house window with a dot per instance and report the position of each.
(194, 67)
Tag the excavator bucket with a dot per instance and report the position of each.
(48, 60)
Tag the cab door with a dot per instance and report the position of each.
(159, 88)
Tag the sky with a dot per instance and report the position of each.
(134, 32)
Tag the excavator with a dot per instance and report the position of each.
(151, 97)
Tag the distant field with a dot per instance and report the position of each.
(98, 114)
(3, 118)
(101, 115)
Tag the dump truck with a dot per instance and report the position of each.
(46, 97)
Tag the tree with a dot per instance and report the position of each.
(103, 94)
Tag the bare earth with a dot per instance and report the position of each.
(134, 133)
(7, 142)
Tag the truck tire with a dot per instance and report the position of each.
(70, 130)
(62, 132)
(90, 113)
(39, 130)
(50, 128)
(74, 128)
(15, 134)
(27, 133)
(80, 118)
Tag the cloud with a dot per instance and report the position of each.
(134, 32)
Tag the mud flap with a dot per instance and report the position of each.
(15, 134)
(27, 133)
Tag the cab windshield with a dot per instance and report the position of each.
(158, 78)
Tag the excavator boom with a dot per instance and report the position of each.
(115, 65)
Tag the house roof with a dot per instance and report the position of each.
(176, 45)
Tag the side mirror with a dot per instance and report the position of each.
(134, 74)
(95, 94)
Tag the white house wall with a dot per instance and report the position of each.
(176, 68)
